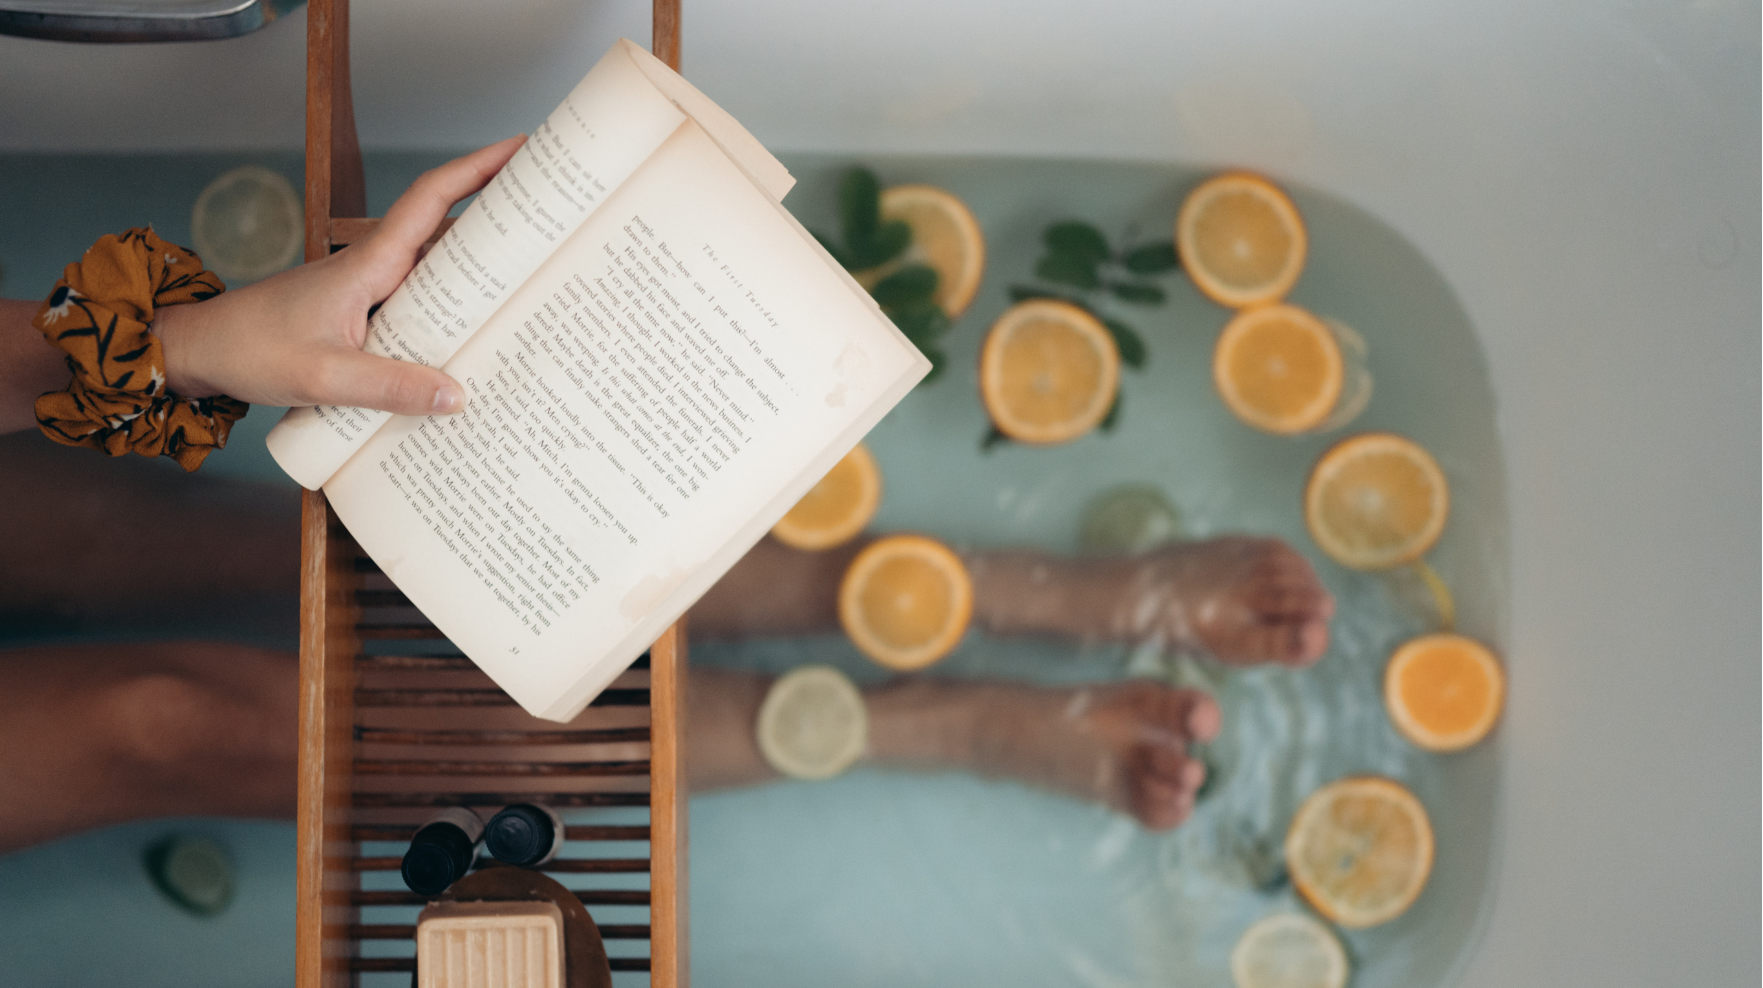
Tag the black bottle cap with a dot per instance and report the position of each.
(440, 854)
(520, 835)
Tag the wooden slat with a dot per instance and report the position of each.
(414, 663)
(407, 931)
(369, 964)
(667, 811)
(558, 800)
(589, 897)
(481, 698)
(610, 735)
(561, 866)
(382, 832)
(565, 770)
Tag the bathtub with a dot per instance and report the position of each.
(1584, 177)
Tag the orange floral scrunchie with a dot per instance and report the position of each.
(101, 313)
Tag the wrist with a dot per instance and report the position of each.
(180, 331)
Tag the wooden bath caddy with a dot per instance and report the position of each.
(395, 722)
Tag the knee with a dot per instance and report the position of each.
(162, 720)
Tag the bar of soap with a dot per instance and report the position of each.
(490, 945)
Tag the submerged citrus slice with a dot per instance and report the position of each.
(1359, 850)
(1444, 692)
(835, 509)
(1288, 950)
(905, 601)
(1048, 372)
(813, 724)
(1129, 520)
(1376, 500)
(1279, 369)
(945, 236)
(248, 224)
(1241, 240)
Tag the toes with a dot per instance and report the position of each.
(1164, 784)
(1185, 715)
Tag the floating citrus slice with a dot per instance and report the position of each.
(1288, 950)
(1279, 369)
(835, 509)
(1048, 372)
(813, 724)
(945, 236)
(247, 224)
(905, 601)
(1444, 692)
(1376, 500)
(1241, 240)
(1359, 850)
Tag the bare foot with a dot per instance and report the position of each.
(1120, 744)
(1238, 598)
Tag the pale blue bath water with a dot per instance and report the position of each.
(892, 878)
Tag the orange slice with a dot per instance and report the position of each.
(836, 509)
(1279, 369)
(1288, 950)
(1048, 372)
(1241, 240)
(1376, 500)
(1359, 850)
(1444, 692)
(905, 601)
(945, 236)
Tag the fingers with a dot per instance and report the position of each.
(361, 380)
(416, 214)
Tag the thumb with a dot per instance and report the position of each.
(361, 380)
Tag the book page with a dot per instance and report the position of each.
(642, 410)
(602, 132)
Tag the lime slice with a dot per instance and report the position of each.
(1288, 950)
(812, 724)
(194, 872)
(1129, 519)
(247, 224)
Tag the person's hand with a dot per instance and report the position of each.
(295, 339)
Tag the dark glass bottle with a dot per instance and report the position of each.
(443, 851)
(525, 835)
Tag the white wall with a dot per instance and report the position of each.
(1585, 173)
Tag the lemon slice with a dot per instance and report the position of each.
(1129, 520)
(1376, 500)
(835, 509)
(1241, 240)
(1359, 850)
(813, 724)
(1279, 369)
(247, 224)
(1288, 950)
(905, 601)
(1444, 692)
(1049, 372)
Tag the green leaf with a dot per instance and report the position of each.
(922, 324)
(1077, 238)
(881, 246)
(859, 205)
(1128, 342)
(1137, 293)
(1112, 419)
(1152, 258)
(1023, 293)
(1068, 269)
(939, 362)
(835, 250)
(992, 438)
(909, 286)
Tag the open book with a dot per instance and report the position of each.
(658, 363)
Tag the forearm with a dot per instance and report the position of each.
(29, 366)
